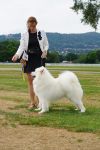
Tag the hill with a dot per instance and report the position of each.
(83, 42)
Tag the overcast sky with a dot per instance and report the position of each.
(52, 16)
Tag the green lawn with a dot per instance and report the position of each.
(62, 114)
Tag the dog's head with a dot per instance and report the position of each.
(39, 72)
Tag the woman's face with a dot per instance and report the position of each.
(32, 25)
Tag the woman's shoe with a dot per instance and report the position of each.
(31, 106)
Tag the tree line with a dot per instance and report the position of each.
(9, 47)
(92, 57)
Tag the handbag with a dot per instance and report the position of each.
(24, 58)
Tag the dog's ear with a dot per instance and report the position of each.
(33, 74)
(42, 71)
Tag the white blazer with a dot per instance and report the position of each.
(43, 42)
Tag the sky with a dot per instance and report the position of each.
(52, 16)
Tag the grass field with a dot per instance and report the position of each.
(14, 101)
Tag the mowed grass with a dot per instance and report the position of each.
(62, 114)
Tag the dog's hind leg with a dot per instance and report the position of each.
(80, 106)
(76, 107)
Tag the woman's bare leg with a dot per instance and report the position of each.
(33, 98)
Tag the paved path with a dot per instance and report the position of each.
(54, 69)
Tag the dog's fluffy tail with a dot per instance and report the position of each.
(69, 75)
(70, 79)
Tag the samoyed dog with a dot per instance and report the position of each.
(48, 89)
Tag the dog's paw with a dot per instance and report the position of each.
(83, 110)
(76, 109)
(37, 109)
(41, 112)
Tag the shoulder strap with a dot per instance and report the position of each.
(39, 35)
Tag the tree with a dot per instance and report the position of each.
(7, 50)
(82, 58)
(91, 57)
(98, 55)
(90, 10)
(71, 56)
(53, 57)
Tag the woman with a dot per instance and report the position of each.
(35, 43)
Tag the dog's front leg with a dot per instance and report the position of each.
(45, 106)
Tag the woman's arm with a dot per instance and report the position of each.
(46, 46)
(20, 49)
(21, 46)
(46, 43)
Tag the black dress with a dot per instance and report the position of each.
(34, 54)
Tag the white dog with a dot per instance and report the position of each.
(49, 89)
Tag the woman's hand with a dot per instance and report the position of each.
(15, 57)
(44, 54)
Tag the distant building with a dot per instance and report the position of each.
(68, 62)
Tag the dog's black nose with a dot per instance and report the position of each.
(33, 76)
